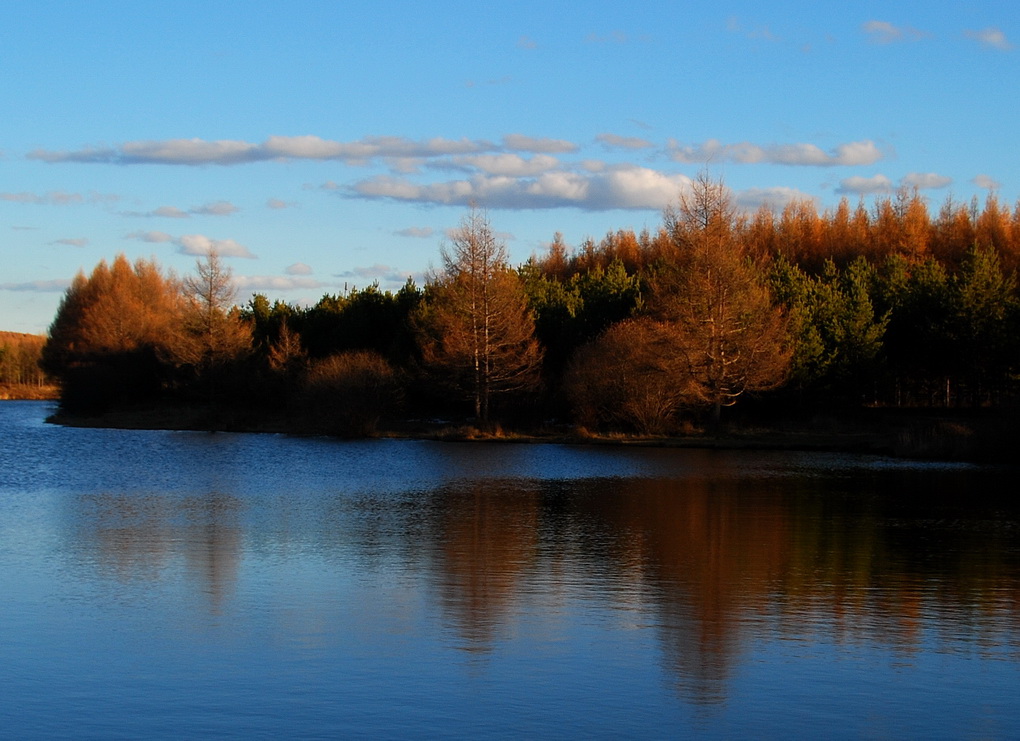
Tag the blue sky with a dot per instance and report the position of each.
(329, 144)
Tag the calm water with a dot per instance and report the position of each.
(188, 585)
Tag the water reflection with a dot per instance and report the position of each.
(711, 564)
(421, 571)
(137, 537)
(485, 542)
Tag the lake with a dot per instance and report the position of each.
(194, 585)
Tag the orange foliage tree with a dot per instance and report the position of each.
(477, 330)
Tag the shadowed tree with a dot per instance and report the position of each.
(115, 334)
(628, 376)
(477, 331)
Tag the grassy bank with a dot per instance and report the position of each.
(28, 392)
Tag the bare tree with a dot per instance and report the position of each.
(478, 330)
(214, 328)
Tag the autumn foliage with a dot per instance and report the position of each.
(894, 304)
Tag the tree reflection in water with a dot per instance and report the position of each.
(717, 564)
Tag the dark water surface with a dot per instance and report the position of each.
(191, 585)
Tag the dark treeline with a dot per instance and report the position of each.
(887, 306)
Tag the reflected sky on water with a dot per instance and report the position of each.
(165, 584)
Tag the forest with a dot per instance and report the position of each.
(20, 374)
(776, 313)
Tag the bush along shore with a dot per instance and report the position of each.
(889, 329)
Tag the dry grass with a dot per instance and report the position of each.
(28, 392)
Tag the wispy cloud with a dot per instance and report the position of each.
(987, 182)
(298, 268)
(278, 204)
(613, 141)
(58, 198)
(763, 33)
(151, 237)
(38, 286)
(416, 232)
(615, 37)
(72, 241)
(992, 38)
(195, 152)
(526, 42)
(216, 208)
(883, 32)
(802, 154)
(168, 212)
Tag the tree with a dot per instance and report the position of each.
(727, 331)
(477, 329)
(115, 334)
(215, 329)
(629, 375)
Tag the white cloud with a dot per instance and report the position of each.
(775, 198)
(298, 268)
(277, 204)
(188, 152)
(540, 145)
(526, 42)
(987, 182)
(40, 286)
(275, 283)
(512, 165)
(195, 244)
(803, 154)
(201, 245)
(613, 141)
(990, 37)
(883, 32)
(636, 187)
(416, 232)
(858, 185)
(925, 180)
(622, 186)
(73, 242)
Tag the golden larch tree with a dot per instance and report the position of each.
(476, 327)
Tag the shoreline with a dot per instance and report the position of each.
(28, 392)
(965, 436)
